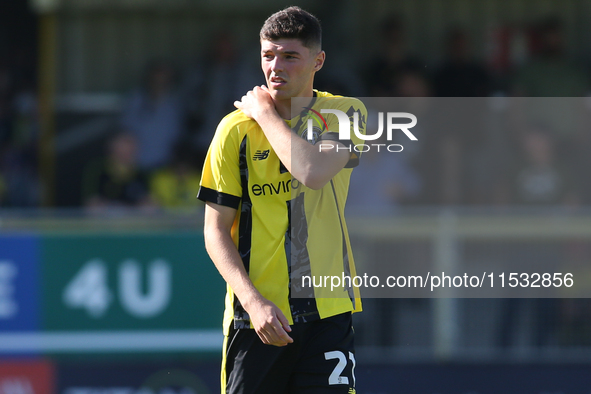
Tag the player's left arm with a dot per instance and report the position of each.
(307, 163)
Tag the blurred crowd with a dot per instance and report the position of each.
(153, 159)
(533, 160)
(19, 130)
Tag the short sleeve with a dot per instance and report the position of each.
(350, 106)
(220, 181)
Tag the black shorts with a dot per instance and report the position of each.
(320, 360)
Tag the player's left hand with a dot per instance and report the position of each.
(256, 102)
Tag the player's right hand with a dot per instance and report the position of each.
(270, 323)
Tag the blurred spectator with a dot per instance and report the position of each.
(435, 156)
(382, 181)
(537, 180)
(463, 147)
(116, 181)
(176, 186)
(5, 105)
(411, 83)
(154, 116)
(5, 129)
(18, 141)
(394, 58)
(551, 73)
(453, 142)
(21, 182)
(2, 191)
(223, 77)
(460, 75)
(540, 179)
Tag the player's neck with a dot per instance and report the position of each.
(283, 107)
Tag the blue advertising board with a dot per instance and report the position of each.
(19, 283)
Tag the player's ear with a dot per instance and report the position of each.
(319, 60)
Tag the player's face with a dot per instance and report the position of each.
(289, 67)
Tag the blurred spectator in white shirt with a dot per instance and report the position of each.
(154, 115)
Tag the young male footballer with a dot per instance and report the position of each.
(275, 213)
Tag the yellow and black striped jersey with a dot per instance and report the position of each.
(284, 230)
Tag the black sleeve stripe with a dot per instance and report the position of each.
(354, 160)
(225, 199)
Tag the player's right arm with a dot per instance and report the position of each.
(269, 322)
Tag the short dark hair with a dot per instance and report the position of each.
(293, 22)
